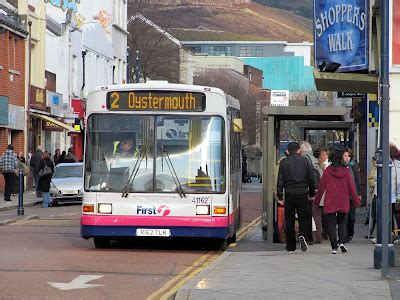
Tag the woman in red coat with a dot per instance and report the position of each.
(338, 186)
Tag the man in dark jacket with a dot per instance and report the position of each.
(296, 178)
(35, 167)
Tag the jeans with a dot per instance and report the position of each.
(46, 199)
(36, 181)
(340, 220)
(293, 203)
(9, 179)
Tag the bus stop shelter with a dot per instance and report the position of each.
(312, 118)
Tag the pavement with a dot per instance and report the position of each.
(254, 269)
(9, 209)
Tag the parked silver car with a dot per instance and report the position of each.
(67, 182)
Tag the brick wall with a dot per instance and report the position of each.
(12, 85)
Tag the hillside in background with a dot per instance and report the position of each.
(212, 21)
(301, 7)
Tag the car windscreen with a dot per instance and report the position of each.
(68, 171)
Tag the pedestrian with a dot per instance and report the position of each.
(70, 158)
(45, 173)
(317, 213)
(348, 161)
(372, 180)
(395, 185)
(307, 152)
(21, 166)
(337, 185)
(62, 157)
(35, 165)
(57, 157)
(295, 177)
(9, 164)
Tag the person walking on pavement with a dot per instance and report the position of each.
(307, 152)
(337, 185)
(70, 158)
(45, 173)
(9, 163)
(318, 215)
(295, 177)
(35, 164)
(348, 161)
(57, 157)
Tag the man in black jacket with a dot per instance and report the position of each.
(296, 180)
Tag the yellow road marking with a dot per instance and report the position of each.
(173, 285)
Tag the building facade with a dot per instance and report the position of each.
(87, 47)
(12, 81)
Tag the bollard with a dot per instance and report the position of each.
(21, 193)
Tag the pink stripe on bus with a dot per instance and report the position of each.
(202, 221)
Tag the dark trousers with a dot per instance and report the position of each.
(351, 220)
(293, 203)
(309, 236)
(340, 220)
(9, 179)
(317, 215)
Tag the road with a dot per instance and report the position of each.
(35, 253)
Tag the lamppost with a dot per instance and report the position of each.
(383, 252)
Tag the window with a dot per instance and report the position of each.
(211, 50)
(195, 149)
(235, 143)
(258, 52)
(243, 51)
(196, 49)
(119, 153)
(229, 51)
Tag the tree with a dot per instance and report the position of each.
(159, 53)
(237, 86)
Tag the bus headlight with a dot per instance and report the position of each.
(105, 208)
(202, 209)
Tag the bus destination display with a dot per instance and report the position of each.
(155, 101)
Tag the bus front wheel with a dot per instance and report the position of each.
(101, 243)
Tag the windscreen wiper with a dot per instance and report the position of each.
(127, 188)
(174, 175)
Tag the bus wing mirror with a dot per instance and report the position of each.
(237, 125)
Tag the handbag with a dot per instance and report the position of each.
(46, 171)
(322, 202)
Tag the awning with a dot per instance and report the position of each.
(346, 82)
(52, 120)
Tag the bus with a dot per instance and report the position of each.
(161, 160)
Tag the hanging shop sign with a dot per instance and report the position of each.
(50, 126)
(37, 98)
(341, 33)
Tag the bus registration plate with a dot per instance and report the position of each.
(153, 232)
